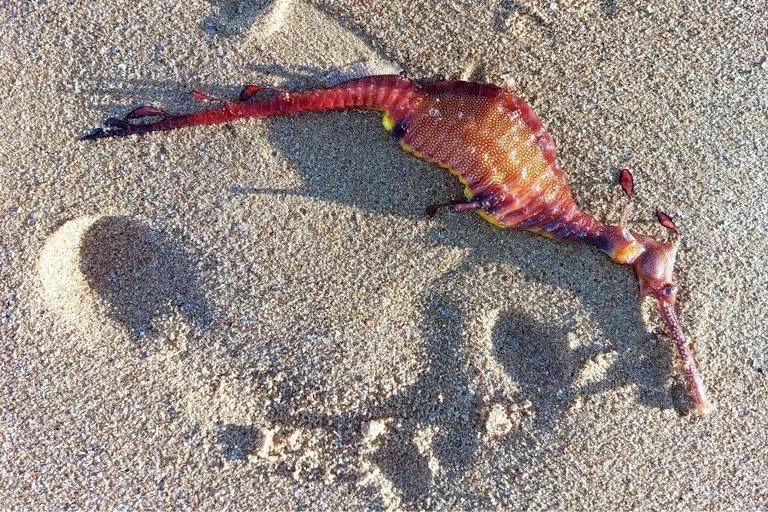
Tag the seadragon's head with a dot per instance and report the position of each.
(654, 265)
(655, 268)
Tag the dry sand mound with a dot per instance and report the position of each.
(115, 270)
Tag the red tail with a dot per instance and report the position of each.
(383, 92)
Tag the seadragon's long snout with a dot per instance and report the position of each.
(695, 383)
(654, 267)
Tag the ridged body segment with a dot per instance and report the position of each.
(494, 143)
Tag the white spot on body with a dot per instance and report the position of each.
(434, 112)
(551, 195)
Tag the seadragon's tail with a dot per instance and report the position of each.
(389, 93)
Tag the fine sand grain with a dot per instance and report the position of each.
(262, 317)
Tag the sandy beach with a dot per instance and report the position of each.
(260, 316)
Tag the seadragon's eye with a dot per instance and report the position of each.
(669, 289)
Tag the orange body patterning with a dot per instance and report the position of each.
(496, 145)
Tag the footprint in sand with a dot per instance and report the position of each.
(235, 17)
(271, 31)
(104, 270)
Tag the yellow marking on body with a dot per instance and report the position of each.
(545, 234)
(388, 122)
(490, 218)
(628, 253)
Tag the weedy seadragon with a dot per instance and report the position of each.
(493, 142)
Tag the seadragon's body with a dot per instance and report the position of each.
(492, 142)
(497, 147)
